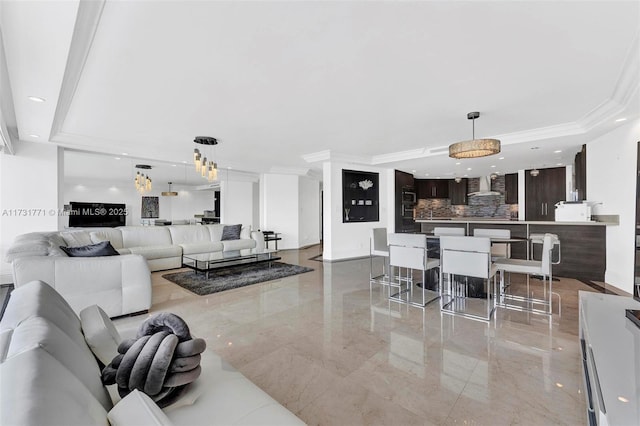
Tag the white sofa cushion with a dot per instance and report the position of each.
(203, 247)
(137, 409)
(215, 231)
(76, 238)
(113, 235)
(37, 389)
(157, 252)
(141, 236)
(238, 244)
(100, 334)
(182, 234)
(76, 356)
(38, 299)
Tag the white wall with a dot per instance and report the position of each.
(29, 202)
(237, 202)
(188, 202)
(349, 240)
(281, 208)
(309, 212)
(290, 205)
(611, 177)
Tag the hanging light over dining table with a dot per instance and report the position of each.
(142, 181)
(474, 148)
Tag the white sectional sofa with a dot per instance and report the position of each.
(119, 284)
(49, 376)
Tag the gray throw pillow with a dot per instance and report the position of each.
(231, 232)
(93, 250)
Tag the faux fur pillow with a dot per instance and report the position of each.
(231, 232)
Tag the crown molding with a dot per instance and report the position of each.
(297, 171)
(334, 156)
(399, 156)
(84, 31)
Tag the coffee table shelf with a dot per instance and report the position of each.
(207, 262)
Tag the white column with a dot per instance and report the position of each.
(30, 194)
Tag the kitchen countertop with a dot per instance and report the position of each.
(507, 221)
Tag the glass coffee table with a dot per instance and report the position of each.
(207, 262)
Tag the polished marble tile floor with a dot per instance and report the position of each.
(335, 353)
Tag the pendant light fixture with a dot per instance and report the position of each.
(169, 193)
(142, 181)
(207, 168)
(474, 148)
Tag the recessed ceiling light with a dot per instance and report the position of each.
(620, 119)
(174, 165)
(36, 99)
(33, 135)
(622, 399)
(501, 158)
(493, 167)
(124, 153)
(466, 175)
(560, 385)
(117, 158)
(558, 164)
(458, 163)
(413, 171)
(557, 151)
(468, 168)
(426, 174)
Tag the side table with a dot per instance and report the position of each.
(271, 236)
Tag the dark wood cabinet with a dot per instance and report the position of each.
(543, 192)
(458, 191)
(432, 188)
(404, 185)
(511, 188)
(580, 168)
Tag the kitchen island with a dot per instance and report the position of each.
(583, 244)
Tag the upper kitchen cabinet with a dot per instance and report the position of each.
(458, 191)
(511, 188)
(543, 191)
(432, 188)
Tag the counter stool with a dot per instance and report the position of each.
(378, 247)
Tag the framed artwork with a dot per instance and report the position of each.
(150, 208)
(360, 195)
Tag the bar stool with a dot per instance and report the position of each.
(498, 250)
(378, 247)
(409, 252)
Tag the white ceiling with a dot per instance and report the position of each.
(286, 85)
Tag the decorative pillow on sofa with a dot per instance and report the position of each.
(100, 333)
(92, 250)
(231, 232)
(76, 238)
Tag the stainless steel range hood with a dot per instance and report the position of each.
(485, 188)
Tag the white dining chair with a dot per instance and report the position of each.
(378, 248)
(465, 257)
(408, 252)
(440, 230)
(541, 267)
(537, 238)
(498, 250)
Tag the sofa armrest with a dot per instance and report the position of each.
(120, 285)
(258, 236)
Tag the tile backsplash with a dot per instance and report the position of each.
(478, 206)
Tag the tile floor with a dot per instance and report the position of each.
(335, 353)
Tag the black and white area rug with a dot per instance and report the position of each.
(233, 277)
